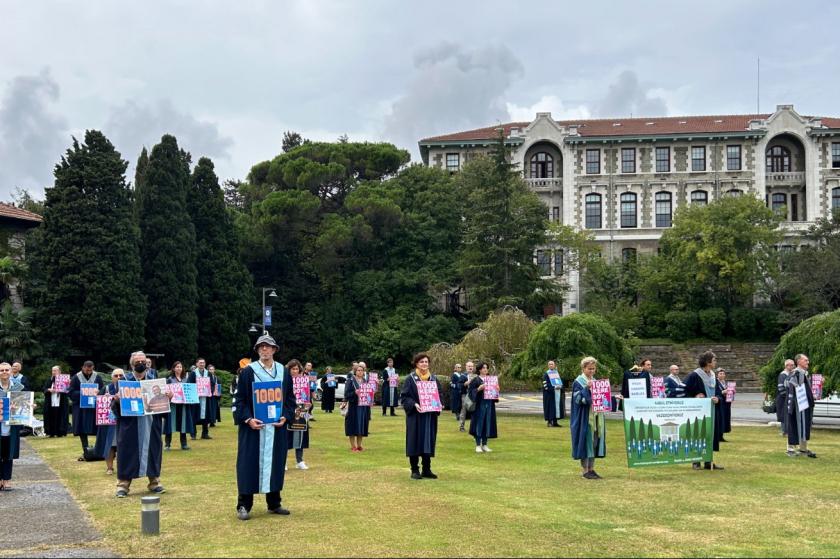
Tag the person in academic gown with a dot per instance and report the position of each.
(181, 417)
(798, 423)
(9, 434)
(139, 441)
(674, 387)
(327, 393)
(554, 398)
(18, 377)
(483, 421)
(217, 400)
(781, 394)
(420, 427)
(205, 411)
(299, 440)
(701, 383)
(56, 408)
(357, 420)
(726, 407)
(390, 394)
(642, 371)
(589, 428)
(84, 419)
(456, 389)
(106, 435)
(262, 448)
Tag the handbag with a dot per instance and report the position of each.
(469, 404)
(769, 406)
(343, 409)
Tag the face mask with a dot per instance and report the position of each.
(139, 367)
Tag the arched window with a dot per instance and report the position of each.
(734, 193)
(628, 255)
(628, 209)
(835, 198)
(663, 209)
(700, 197)
(542, 166)
(778, 202)
(778, 160)
(593, 211)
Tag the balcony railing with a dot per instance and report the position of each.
(786, 178)
(545, 184)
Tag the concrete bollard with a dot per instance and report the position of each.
(150, 515)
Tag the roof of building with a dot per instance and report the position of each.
(12, 212)
(707, 124)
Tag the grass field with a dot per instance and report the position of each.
(525, 499)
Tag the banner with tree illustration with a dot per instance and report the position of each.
(668, 431)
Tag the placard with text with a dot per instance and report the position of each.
(429, 396)
(300, 385)
(104, 415)
(268, 401)
(203, 385)
(657, 387)
(88, 391)
(61, 383)
(365, 393)
(131, 398)
(554, 379)
(601, 395)
(491, 387)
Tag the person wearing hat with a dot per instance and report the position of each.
(84, 419)
(262, 447)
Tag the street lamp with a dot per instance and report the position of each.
(266, 311)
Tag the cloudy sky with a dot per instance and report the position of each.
(228, 78)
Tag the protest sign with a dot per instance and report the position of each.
(300, 421)
(365, 393)
(131, 398)
(21, 408)
(817, 386)
(730, 391)
(661, 431)
(429, 396)
(4, 410)
(177, 391)
(61, 383)
(268, 401)
(491, 387)
(104, 415)
(802, 403)
(190, 393)
(203, 385)
(636, 388)
(218, 391)
(155, 400)
(88, 393)
(657, 387)
(300, 385)
(601, 395)
(331, 380)
(393, 380)
(554, 378)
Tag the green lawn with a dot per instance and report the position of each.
(524, 499)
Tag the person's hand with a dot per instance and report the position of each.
(169, 395)
(619, 397)
(418, 407)
(715, 399)
(700, 396)
(481, 388)
(281, 422)
(117, 395)
(50, 390)
(255, 424)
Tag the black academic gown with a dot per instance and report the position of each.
(56, 422)
(726, 408)
(390, 397)
(695, 385)
(134, 434)
(456, 389)
(249, 458)
(483, 420)
(357, 420)
(795, 424)
(625, 385)
(209, 403)
(781, 399)
(217, 403)
(549, 407)
(327, 395)
(420, 428)
(84, 419)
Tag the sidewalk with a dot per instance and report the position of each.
(42, 519)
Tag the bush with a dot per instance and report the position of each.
(625, 318)
(652, 323)
(712, 323)
(771, 323)
(818, 337)
(566, 340)
(744, 323)
(681, 325)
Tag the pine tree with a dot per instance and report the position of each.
(225, 287)
(140, 176)
(168, 253)
(87, 260)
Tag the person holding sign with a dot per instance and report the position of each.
(390, 388)
(106, 434)
(636, 381)
(139, 438)
(674, 387)
(357, 420)
(9, 434)
(800, 407)
(554, 397)
(299, 438)
(726, 403)
(701, 383)
(456, 388)
(265, 403)
(589, 428)
(421, 402)
(205, 412)
(180, 419)
(84, 415)
(56, 404)
(483, 422)
(217, 396)
(328, 391)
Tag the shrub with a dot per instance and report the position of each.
(712, 323)
(771, 323)
(744, 323)
(652, 323)
(681, 325)
(819, 338)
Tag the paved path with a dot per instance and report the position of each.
(41, 519)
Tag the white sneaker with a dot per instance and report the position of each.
(479, 450)
(486, 448)
(302, 466)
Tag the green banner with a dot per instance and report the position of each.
(661, 431)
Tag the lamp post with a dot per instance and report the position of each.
(266, 311)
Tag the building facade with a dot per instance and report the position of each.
(624, 178)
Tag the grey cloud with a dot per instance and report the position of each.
(134, 125)
(452, 88)
(32, 134)
(626, 96)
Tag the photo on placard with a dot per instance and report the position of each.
(155, 399)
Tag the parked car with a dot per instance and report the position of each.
(339, 388)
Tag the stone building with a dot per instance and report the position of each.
(624, 178)
(14, 224)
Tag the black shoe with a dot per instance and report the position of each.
(243, 514)
(167, 447)
(548, 424)
(311, 419)
(416, 475)
(206, 437)
(696, 466)
(462, 430)
(595, 475)
(185, 447)
(810, 454)
(429, 475)
(384, 414)
(589, 475)
(280, 510)
(393, 414)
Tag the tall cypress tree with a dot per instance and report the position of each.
(168, 253)
(87, 260)
(225, 287)
(140, 176)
